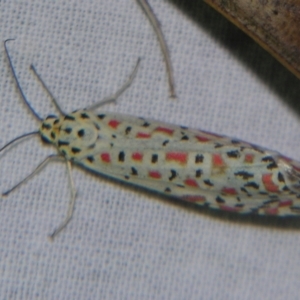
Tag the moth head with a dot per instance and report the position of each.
(47, 129)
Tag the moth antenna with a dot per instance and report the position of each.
(47, 90)
(17, 81)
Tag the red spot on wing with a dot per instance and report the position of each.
(229, 191)
(194, 198)
(230, 208)
(180, 157)
(285, 203)
(165, 130)
(137, 156)
(105, 157)
(269, 184)
(217, 160)
(202, 139)
(271, 211)
(191, 182)
(143, 135)
(114, 123)
(154, 174)
(249, 158)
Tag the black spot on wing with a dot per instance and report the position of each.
(180, 186)
(245, 175)
(198, 173)
(91, 159)
(173, 175)
(96, 126)
(280, 177)
(122, 156)
(69, 118)
(246, 192)
(84, 116)
(45, 139)
(134, 171)
(272, 161)
(271, 201)
(268, 159)
(68, 130)
(220, 200)
(101, 116)
(271, 166)
(46, 126)
(165, 142)
(62, 143)
(208, 182)
(285, 188)
(51, 117)
(128, 129)
(233, 154)
(218, 145)
(81, 132)
(185, 138)
(252, 185)
(154, 158)
(263, 193)
(199, 158)
(75, 150)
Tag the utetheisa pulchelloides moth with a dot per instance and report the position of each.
(192, 165)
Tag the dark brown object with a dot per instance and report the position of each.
(274, 24)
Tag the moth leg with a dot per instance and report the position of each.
(17, 139)
(71, 204)
(162, 42)
(117, 94)
(36, 170)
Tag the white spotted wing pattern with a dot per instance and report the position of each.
(192, 165)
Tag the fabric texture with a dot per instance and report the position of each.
(123, 242)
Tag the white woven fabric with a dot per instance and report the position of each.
(124, 243)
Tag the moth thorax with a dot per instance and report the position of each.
(81, 134)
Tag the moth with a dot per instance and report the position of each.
(192, 165)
